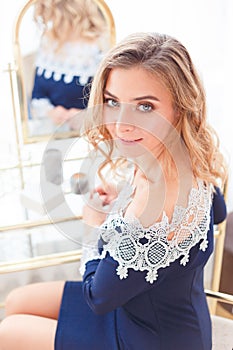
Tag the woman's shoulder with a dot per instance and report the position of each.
(157, 246)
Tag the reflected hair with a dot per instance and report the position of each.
(62, 18)
(169, 61)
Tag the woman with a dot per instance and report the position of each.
(142, 286)
(73, 42)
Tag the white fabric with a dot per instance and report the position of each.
(123, 236)
(74, 59)
(40, 107)
(89, 247)
(189, 225)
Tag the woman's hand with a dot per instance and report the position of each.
(99, 205)
(107, 193)
(93, 212)
(60, 115)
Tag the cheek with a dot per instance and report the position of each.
(110, 115)
(111, 128)
(157, 128)
(151, 142)
(109, 121)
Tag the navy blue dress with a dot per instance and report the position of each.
(63, 77)
(105, 312)
(69, 95)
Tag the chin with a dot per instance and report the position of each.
(131, 151)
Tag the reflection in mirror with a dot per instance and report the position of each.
(58, 46)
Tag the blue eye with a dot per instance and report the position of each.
(111, 103)
(145, 107)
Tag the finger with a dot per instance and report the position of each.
(100, 190)
(95, 202)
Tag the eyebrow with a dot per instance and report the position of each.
(146, 97)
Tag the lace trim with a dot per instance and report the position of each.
(90, 249)
(148, 249)
(88, 254)
(76, 60)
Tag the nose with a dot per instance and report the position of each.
(125, 121)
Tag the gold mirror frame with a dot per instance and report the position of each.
(20, 96)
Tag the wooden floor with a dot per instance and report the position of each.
(221, 311)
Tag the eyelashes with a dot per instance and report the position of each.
(144, 107)
(110, 102)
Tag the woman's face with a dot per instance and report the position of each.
(138, 111)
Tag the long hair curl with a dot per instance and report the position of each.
(168, 60)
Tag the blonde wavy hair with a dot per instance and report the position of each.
(63, 18)
(168, 59)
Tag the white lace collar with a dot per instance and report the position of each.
(79, 59)
(148, 249)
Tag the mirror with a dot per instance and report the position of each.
(54, 72)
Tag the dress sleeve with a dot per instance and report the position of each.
(40, 104)
(104, 291)
(136, 259)
(40, 86)
(219, 207)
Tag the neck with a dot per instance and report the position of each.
(150, 166)
(169, 162)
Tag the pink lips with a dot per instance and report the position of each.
(129, 142)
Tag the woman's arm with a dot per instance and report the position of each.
(219, 207)
(104, 291)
